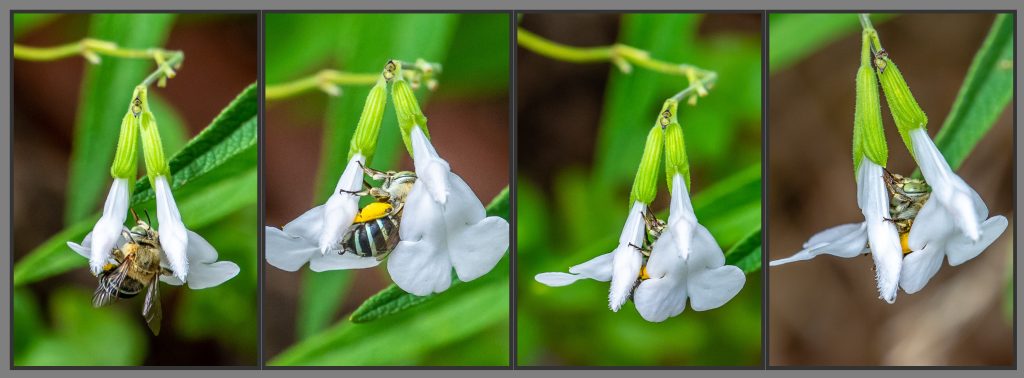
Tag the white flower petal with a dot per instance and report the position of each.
(555, 279)
(886, 250)
(173, 235)
(712, 288)
(308, 225)
(108, 229)
(81, 249)
(336, 261)
(964, 205)
(341, 208)
(931, 224)
(475, 243)
(848, 240)
(430, 167)
(626, 260)
(920, 266)
(205, 271)
(658, 299)
(961, 249)
(598, 268)
(288, 252)
(706, 253)
(420, 267)
(419, 263)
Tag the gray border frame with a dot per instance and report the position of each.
(494, 5)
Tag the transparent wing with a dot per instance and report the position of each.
(106, 291)
(151, 309)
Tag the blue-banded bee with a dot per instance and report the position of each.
(137, 268)
(906, 198)
(374, 231)
(653, 228)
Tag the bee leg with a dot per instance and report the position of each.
(365, 191)
(373, 173)
(380, 194)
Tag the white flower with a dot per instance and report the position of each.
(950, 223)
(443, 226)
(315, 237)
(850, 240)
(686, 261)
(206, 270)
(108, 229)
(173, 235)
(620, 266)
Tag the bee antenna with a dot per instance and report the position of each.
(148, 221)
(134, 214)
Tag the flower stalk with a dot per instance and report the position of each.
(330, 80)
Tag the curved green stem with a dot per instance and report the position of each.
(319, 80)
(92, 49)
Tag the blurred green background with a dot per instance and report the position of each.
(581, 130)
(307, 149)
(70, 105)
(826, 311)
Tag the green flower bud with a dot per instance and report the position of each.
(125, 158)
(868, 135)
(904, 109)
(407, 109)
(364, 141)
(645, 186)
(676, 161)
(152, 147)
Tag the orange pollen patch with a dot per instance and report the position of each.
(643, 273)
(108, 267)
(373, 211)
(905, 243)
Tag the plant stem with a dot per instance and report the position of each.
(865, 21)
(292, 88)
(621, 55)
(92, 49)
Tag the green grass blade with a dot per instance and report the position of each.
(396, 36)
(746, 254)
(986, 91)
(393, 299)
(106, 91)
(795, 36)
(324, 294)
(633, 100)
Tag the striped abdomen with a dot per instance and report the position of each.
(128, 288)
(375, 237)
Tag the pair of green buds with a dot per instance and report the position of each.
(665, 136)
(138, 119)
(868, 136)
(364, 141)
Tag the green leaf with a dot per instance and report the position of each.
(795, 36)
(746, 254)
(407, 337)
(231, 135)
(632, 100)
(373, 40)
(986, 91)
(106, 91)
(173, 133)
(393, 299)
(219, 162)
(477, 64)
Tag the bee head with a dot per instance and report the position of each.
(399, 183)
(916, 186)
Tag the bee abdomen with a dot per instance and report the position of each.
(371, 238)
(129, 287)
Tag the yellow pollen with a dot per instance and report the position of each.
(643, 273)
(373, 211)
(905, 243)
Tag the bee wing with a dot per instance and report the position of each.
(106, 292)
(151, 309)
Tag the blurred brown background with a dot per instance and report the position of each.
(472, 134)
(220, 49)
(826, 311)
